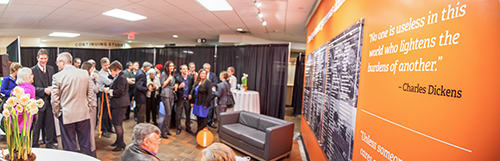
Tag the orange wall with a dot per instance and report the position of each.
(416, 126)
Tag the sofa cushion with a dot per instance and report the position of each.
(235, 130)
(256, 138)
(266, 122)
(250, 119)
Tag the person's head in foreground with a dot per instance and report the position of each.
(218, 152)
(146, 141)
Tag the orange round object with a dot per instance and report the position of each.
(205, 138)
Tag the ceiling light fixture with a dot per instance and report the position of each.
(264, 23)
(258, 4)
(215, 5)
(44, 40)
(126, 15)
(64, 34)
(260, 15)
(129, 41)
(175, 36)
(4, 1)
(239, 29)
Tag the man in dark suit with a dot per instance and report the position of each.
(213, 78)
(140, 91)
(185, 82)
(43, 81)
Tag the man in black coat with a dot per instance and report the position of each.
(213, 78)
(185, 82)
(43, 85)
(140, 91)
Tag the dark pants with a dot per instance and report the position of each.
(169, 104)
(141, 112)
(210, 115)
(202, 123)
(183, 106)
(117, 114)
(151, 109)
(45, 121)
(106, 121)
(130, 96)
(219, 109)
(69, 133)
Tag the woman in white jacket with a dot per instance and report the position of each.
(151, 104)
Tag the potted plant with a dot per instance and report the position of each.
(18, 111)
(244, 81)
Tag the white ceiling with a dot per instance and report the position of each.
(187, 18)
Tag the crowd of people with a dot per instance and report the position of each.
(84, 99)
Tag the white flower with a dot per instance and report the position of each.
(12, 101)
(6, 113)
(24, 99)
(18, 91)
(32, 106)
(40, 103)
(34, 111)
(19, 108)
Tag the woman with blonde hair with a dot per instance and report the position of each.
(8, 83)
(24, 80)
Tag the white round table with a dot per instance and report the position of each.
(248, 101)
(43, 154)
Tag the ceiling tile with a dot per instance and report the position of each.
(30, 2)
(18, 8)
(52, 3)
(64, 12)
(295, 22)
(115, 3)
(241, 4)
(187, 5)
(274, 5)
(42, 9)
(77, 5)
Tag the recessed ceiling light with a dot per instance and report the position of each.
(4, 1)
(175, 36)
(44, 40)
(258, 4)
(64, 34)
(260, 15)
(159, 46)
(149, 44)
(264, 23)
(129, 41)
(126, 15)
(239, 29)
(216, 5)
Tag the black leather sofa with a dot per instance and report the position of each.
(260, 136)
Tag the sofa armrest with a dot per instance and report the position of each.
(229, 117)
(279, 140)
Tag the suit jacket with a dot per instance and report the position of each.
(40, 84)
(140, 87)
(72, 94)
(179, 79)
(119, 86)
(214, 79)
(222, 90)
(204, 95)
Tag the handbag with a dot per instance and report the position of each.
(230, 98)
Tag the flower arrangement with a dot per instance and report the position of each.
(18, 111)
(244, 81)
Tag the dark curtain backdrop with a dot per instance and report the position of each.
(28, 58)
(184, 55)
(267, 69)
(298, 85)
(135, 54)
(13, 52)
(86, 54)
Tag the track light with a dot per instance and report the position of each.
(258, 4)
